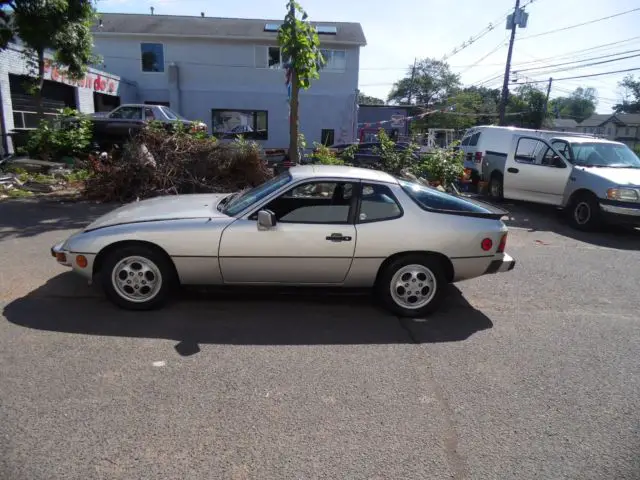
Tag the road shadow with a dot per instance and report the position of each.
(243, 317)
(546, 218)
(21, 218)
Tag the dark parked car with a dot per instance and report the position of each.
(119, 124)
(366, 154)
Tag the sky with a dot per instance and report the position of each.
(399, 32)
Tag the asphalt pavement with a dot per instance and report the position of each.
(533, 374)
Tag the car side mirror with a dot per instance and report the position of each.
(266, 219)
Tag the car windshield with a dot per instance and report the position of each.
(242, 200)
(604, 155)
(432, 199)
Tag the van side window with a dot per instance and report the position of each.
(528, 150)
(465, 141)
(474, 139)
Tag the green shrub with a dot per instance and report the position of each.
(325, 156)
(69, 135)
(392, 159)
(443, 165)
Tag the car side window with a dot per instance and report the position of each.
(548, 159)
(129, 113)
(314, 202)
(528, 150)
(148, 114)
(377, 204)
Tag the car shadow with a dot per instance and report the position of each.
(546, 218)
(245, 316)
(21, 218)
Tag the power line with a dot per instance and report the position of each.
(578, 25)
(494, 50)
(587, 76)
(578, 61)
(544, 71)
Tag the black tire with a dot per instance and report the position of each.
(386, 278)
(584, 212)
(496, 188)
(161, 265)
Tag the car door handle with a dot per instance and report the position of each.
(338, 237)
(512, 170)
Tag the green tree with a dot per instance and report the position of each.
(528, 103)
(367, 100)
(301, 50)
(430, 83)
(579, 105)
(631, 104)
(62, 26)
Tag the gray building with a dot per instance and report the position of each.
(229, 73)
(371, 118)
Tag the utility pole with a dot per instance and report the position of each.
(518, 18)
(413, 76)
(546, 101)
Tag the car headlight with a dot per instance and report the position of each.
(623, 194)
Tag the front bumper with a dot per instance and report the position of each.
(60, 254)
(505, 264)
(625, 214)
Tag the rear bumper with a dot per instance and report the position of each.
(506, 264)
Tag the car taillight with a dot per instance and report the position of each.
(478, 157)
(503, 244)
(486, 244)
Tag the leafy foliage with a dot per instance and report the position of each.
(528, 102)
(392, 159)
(581, 104)
(69, 135)
(631, 104)
(367, 100)
(325, 156)
(442, 165)
(433, 82)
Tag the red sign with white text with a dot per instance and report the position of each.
(97, 83)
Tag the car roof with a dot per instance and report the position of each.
(587, 140)
(340, 171)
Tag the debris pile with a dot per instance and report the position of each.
(156, 162)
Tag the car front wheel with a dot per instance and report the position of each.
(584, 212)
(137, 278)
(412, 285)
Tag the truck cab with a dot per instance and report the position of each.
(593, 180)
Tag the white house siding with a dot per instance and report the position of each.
(220, 74)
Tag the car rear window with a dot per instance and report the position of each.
(434, 200)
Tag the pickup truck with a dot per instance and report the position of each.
(119, 124)
(593, 180)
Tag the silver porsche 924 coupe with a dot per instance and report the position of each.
(310, 226)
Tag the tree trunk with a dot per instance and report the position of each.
(40, 84)
(294, 156)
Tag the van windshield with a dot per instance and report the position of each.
(604, 155)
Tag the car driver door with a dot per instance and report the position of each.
(308, 237)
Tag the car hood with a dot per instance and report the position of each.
(162, 208)
(619, 176)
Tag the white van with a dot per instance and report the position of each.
(478, 141)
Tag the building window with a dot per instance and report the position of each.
(335, 60)
(152, 55)
(251, 124)
(608, 131)
(268, 57)
(626, 131)
(327, 136)
(274, 59)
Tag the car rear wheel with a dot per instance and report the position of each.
(584, 212)
(137, 278)
(412, 285)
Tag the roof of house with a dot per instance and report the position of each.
(596, 120)
(564, 123)
(214, 27)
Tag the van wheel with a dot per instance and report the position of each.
(584, 212)
(496, 191)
